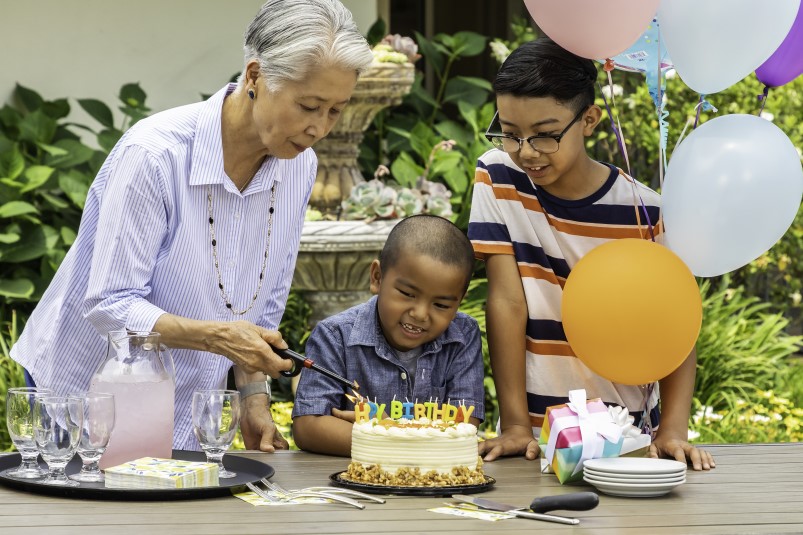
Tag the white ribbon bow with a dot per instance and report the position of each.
(595, 428)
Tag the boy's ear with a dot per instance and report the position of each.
(375, 276)
(591, 119)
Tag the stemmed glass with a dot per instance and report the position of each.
(19, 419)
(215, 418)
(57, 422)
(95, 433)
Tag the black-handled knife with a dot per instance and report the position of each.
(576, 501)
(513, 510)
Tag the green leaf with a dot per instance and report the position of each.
(68, 236)
(422, 139)
(56, 109)
(75, 185)
(32, 245)
(19, 288)
(473, 91)
(98, 111)
(9, 117)
(431, 53)
(29, 98)
(9, 237)
(376, 32)
(405, 170)
(468, 44)
(74, 153)
(37, 127)
(133, 96)
(108, 138)
(54, 201)
(12, 163)
(17, 208)
(52, 150)
(454, 130)
(36, 176)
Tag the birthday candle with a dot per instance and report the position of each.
(408, 410)
(361, 412)
(420, 411)
(396, 408)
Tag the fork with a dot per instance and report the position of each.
(334, 490)
(289, 495)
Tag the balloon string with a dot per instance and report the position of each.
(763, 99)
(637, 195)
(614, 118)
(699, 107)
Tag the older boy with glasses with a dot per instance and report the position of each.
(540, 204)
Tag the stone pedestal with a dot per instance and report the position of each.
(333, 263)
(381, 86)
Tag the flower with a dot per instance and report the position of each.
(400, 45)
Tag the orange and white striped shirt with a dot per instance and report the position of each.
(548, 236)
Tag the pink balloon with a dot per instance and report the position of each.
(786, 63)
(593, 29)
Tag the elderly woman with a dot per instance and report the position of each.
(191, 227)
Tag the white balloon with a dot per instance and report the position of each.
(732, 189)
(716, 43)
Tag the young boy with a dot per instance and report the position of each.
(407, 343)
(540, 204)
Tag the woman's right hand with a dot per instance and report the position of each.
(249, 347)
(515, 440)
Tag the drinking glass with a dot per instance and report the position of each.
(19, 419)
(95, 433)
(215, 418)
(57, 422)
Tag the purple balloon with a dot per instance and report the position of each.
(786, 63)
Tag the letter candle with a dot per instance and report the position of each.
(396, 408)
(361, 412)
(408, 410)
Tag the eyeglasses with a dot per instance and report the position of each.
(543, 143)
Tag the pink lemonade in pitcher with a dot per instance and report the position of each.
(146, 430)
(139, 371)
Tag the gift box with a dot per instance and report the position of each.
(575, 432)
(156, 473)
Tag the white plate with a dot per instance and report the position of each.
(635, 478)
(633, 491)
(634, 482)
(635, 465)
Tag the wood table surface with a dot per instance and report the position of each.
(755, 488)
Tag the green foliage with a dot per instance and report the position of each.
(742, 347)
(403, 138)
(474, 305)
(45, 173)
(11, 374)
(769, 418)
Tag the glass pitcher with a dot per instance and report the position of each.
(139, 371)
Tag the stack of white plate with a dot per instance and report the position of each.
(634, 476)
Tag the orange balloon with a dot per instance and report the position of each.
(631, 311)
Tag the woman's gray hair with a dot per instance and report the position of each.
(289, 38)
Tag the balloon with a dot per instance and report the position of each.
(631, 311)
(647, 55)
(732, 189)
(593, 28)
(786, 63)
(716, 43)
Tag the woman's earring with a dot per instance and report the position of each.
(251, 94)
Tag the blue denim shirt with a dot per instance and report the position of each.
(351, 344)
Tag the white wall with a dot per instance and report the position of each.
(175, 49)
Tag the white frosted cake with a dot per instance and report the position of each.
(414, 453)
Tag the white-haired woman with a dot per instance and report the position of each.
(191, 227)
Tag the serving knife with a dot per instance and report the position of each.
(513, 510)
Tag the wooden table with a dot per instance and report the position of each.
(754, 489)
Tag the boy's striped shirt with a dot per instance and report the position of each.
(548, 236)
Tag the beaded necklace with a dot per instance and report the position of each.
(223, 293)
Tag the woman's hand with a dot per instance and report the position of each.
(249, 347)
(257, 426)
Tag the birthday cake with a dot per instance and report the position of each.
(414, 453)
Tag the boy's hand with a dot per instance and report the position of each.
(344, 415)
(681, 450)
(515, 440)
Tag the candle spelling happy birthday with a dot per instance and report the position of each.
(365, 410)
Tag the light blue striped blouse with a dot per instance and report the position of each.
(144, 248)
